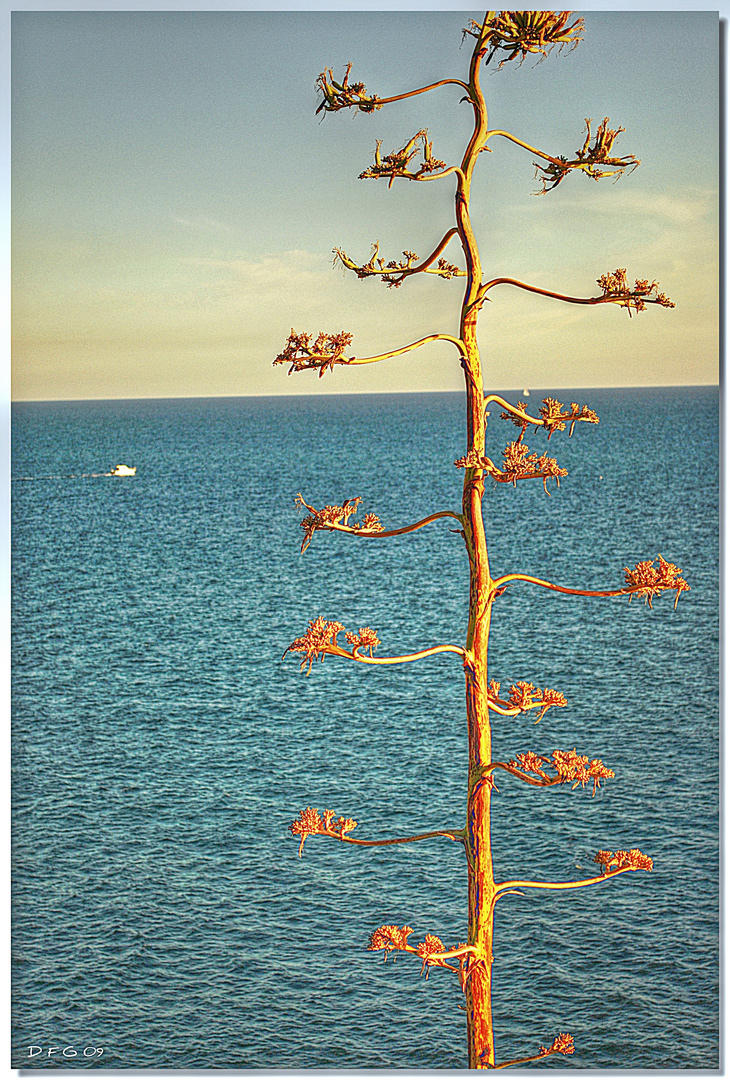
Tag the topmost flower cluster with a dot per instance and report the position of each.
(519, 33)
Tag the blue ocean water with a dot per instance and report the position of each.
(162, 747)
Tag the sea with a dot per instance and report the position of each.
(162, 743)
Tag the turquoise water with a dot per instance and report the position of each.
(162, 746)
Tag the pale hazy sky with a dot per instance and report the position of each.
(176, 202)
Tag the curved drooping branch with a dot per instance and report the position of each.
(523, 697)
(613, 863)
(615, 286)
(311, 823)
(431, 951)
(320, 640)
(395, 273)
(569, 766)
(518, 464)
(593, 160)
(328, 349)
(336, 96)
(644, 580)
(562, 1044)
(553, 416)
(335, 518)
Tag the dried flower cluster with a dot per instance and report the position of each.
(396, 163)
(366, 638)
(395, 272)
(518, 464)
(334, 515)
(524, 696)
(654, 580)
(311, 823)
(568, 765)
(561, 1044)
(553, 416)
(336, 96)
(390, 937)
(321, 638)
(623, 860)
(616, 289)
(593, 160)
(522, 32)
(326, 351)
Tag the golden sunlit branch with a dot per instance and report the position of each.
(335, 518)
(645, 580)
(553, 416)
(328, 350)
(336, 96)
(320, 640)
(569, 767)
(593, 160)
(562, 1044)
(518, 464)
(523, 697)
(615, 291)
(431, 951)
(395, 273)
(628, 861)
(311, 823)
(397, 161)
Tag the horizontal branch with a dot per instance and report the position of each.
(563, 1044)
(569, 765)
(431, 951)
(320, 640)
(311, 823)
(406, 659)
(502, 886)
(394, 532)
(424, 89)
(409, 348)
(553, 414)
(644, 580)
(537, 782)
(616, 290)
(336, 96)
(593, 160)
(499, 583)
(451, 834)
(440, 175)
(328, 350)
(395, 164)
(613, 863)
(395, 273)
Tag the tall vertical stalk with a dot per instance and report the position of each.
(516, 34)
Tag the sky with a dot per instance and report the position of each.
(176, 202)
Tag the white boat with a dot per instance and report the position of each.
(123, 470)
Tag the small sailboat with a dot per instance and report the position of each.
(123, 470)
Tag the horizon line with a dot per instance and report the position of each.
(358, 393)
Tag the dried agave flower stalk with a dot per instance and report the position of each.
(504, 36)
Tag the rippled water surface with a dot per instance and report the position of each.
(162, 747)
